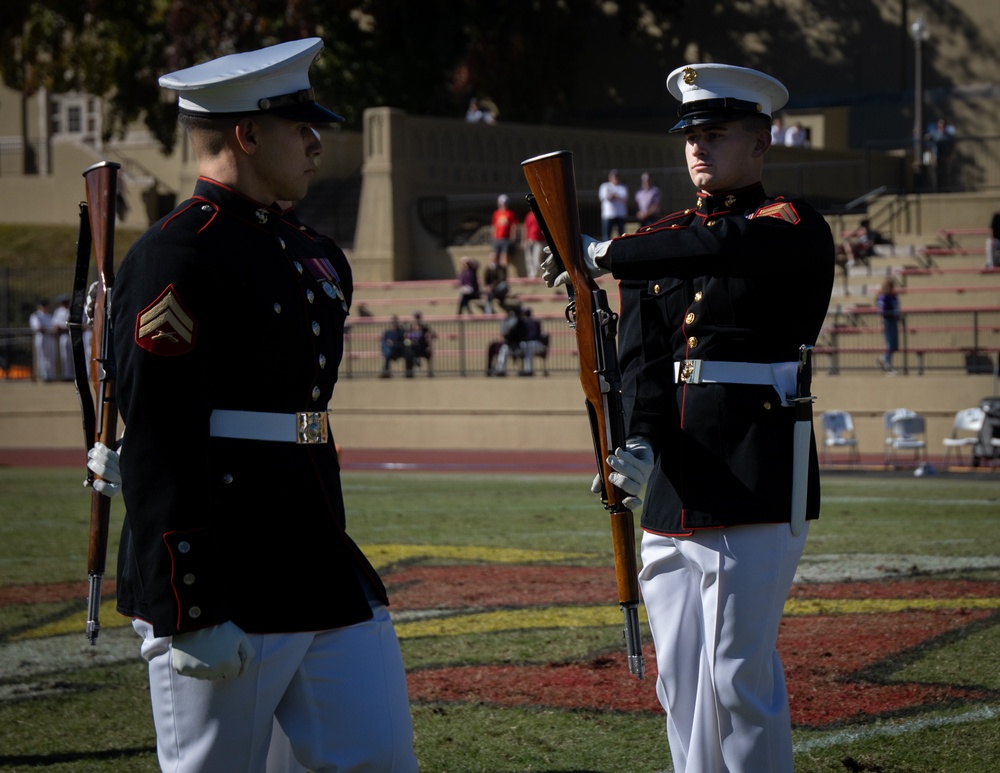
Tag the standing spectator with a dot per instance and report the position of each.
(60, 325)
(795, 135)
(777, 132)
(647, 200)
(533, 244)
(709, 460)
(888, 307)
(394, 348)
(614, 205)
(44, 341)
(476, 113)
(468, 284)
(942, 143)
(504, 231)
(210, 570)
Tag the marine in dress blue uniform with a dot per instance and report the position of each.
(228, 320)
(716, 301)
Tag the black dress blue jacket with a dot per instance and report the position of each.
(227, 303)
(740, 277)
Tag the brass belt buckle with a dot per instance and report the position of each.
(310, 427)
(691, 372)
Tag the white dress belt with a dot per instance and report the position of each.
(306, 428)
(780, 375)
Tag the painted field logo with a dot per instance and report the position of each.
(542, 630)
(845, 646)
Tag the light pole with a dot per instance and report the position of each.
(920, 33)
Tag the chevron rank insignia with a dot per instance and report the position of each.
(783, 210)
(166, 327)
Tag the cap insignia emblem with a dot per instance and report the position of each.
(690, 75)
(261, 215)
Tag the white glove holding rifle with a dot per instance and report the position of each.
(631, 467)
(592, 250)
(219, 652)
(102, 461)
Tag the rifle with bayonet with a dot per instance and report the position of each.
(95, 381)
(553, 199)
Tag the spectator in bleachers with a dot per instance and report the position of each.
(859, 244)
(60, 324)
(647, 200)
(44, 337)
(534, 242)
(419, 339)
(495, 287)
(796, 136)
(468, 281)
(888, 306)
(394, 348)
(941, 140)
(512, 330)
(504, 231)
(614, 205)
(533, 343)
(777, 132)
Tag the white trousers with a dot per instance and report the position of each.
(714, 602)
(338, 696)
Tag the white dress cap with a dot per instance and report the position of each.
(715, 93)
(270, 80)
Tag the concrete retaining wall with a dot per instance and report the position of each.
(540, 413)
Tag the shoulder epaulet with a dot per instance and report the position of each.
(667, 221)
(782, 210)
(204, 209)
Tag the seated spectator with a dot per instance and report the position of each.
(512, 331)
(523, 339)
(418, 339)
(495, 286)
(533, 342)
(394, 348)
(859, 244)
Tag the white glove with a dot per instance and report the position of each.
(632, 466)
(592, 250)
(88, 306)
(105, 462)
(219, 652)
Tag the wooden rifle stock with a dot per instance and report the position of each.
(552, 181)
(102, 189)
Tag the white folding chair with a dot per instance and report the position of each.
(838, 431)
(909, 433)
(967, 420)
(887, 419)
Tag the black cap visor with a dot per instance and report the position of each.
(708, 111)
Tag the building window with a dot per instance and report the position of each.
(74, 119)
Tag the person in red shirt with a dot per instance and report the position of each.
(504, 231)
(532, 245)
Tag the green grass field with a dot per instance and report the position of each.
(66, 706)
